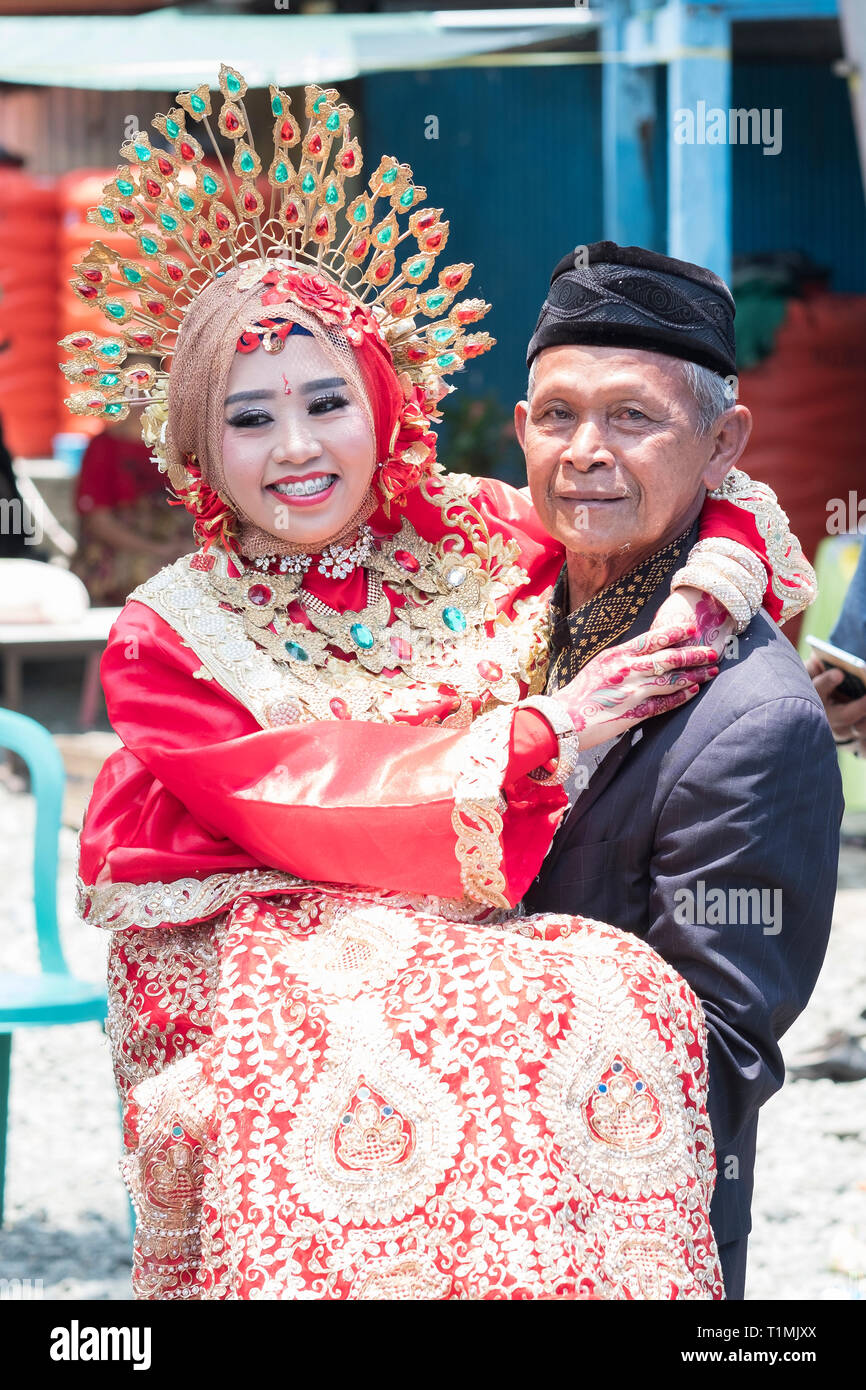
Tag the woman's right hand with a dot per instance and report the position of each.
(627, 684)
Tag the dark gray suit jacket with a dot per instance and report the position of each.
(737, 790)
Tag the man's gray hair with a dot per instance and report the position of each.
(713, 394)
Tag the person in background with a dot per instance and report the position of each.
(847, 717)
(126, 532)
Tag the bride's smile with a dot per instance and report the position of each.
(298, 450)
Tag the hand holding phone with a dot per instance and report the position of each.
(853, 686)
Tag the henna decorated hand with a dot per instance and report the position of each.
(689, 607)
(629, 683)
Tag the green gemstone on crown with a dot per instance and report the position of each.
(332, 196)
(360, 212)
(407, 198)
(318, 104)
(276, 106)
(116, 310)
(168, 222)
(247, 162)
(109, 379)
(149, 246)
(296, 651)
(110, 350)
(362, 636)
(442, 335)
(125, 187)
(384, 236)
(434, 300)
(186, 201)
(447, 359)
(197, 103)
(142, 153)
(281, 173)
(114, 408)
(454, 619)
(417, 267)
(390, 176)
(107, 215)
(308, 183)
(232, 83)
(131, 275)
(209, 184)
(333, 121)
(172, 128)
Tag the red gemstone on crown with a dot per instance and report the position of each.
(408, 562)
(489, 671)
(322, 226)
(433, 241)
(221, 220)
(315, 144)
(339, 708)
(416, 354)
(164, 166)
(90, 371)
(138, 376)
(360, 247)
(95, 276)
(144, 340)
(95, 404)
(472, 349)
(290, 212)
(204, 238)
(287, 131)
(426, 220)
(232, 122)
(401, 649)
(347, 159)
(127, 216)
(383, 271)
(452, 281)
(87, 291)
(82, 342)
(398, 305)
(250, 202)
(175, 272)
(156, 306)
(153, 188)
(186, 150)
(259, 594)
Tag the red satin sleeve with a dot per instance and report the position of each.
(720, 517)
(342, 802)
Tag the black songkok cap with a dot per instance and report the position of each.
(624, 296)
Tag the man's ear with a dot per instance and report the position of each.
(730, 435)
(521, 411)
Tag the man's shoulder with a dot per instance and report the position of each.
(762, 667)
(761, 705)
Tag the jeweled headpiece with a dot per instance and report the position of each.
(192, 223)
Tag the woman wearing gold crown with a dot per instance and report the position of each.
(350, 1069)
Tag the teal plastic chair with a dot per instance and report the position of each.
(55, 996)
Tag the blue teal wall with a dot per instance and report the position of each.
(517, 166)
(809, 197)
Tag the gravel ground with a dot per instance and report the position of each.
(67, 1219)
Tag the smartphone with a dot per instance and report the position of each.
(854, 684)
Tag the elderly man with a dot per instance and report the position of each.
(711, 832)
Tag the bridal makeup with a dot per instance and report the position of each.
(298, 449)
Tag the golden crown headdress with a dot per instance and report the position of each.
(191, 223)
